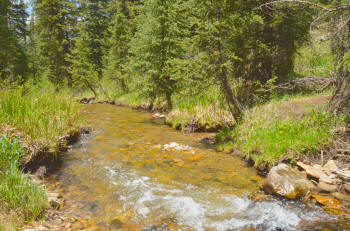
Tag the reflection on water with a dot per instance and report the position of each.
(132, 173)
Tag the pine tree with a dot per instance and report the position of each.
(119, 51)
(236, 42)
(53, 22)
(158, 47)
(13, 59)
(19, 19)
(84, 72)
(89, 45)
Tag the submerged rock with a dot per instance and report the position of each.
(287, 182)
(340, 225)
(116, 223)
(161, 227)
(327, 201)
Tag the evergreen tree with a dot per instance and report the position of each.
(89, 45)
(158, 47)
(13, 59)
(53, 23)
(19, 19)
(119, 51)
(236, 42)
(84, 72)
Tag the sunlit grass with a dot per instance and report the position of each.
(206, 108)
(282, 130)
(42, 117)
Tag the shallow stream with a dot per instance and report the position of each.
(134, 173)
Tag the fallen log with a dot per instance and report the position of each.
(311, 84)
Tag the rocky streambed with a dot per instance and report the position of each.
(134, 173)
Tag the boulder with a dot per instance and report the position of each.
(315, 171)
(287, 182)
(324, 187)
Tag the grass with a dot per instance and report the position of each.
(39, 117)
(316, 58)
(205, 108)
(284, 129)
(21, 200)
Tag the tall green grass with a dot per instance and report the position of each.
(207, 108)
(18, 195)
(316, 58)
(41, 117)
(274, 131)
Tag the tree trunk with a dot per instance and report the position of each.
(91, 88)
(340, 101)
(168, 100)
(234, 105)
(104, 92)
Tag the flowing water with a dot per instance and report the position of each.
(133, 173)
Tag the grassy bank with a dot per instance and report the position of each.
(39, 118)
(34, 120)
(285, 129)
(21, 201)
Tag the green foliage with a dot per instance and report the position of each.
(13, 59)
(204, 108)
(159, 46)
(17, 192)
(42, 117)
(119, 54)
(53, 21)
(83, 69)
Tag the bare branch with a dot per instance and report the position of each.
(305, 2)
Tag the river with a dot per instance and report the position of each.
(134, 173)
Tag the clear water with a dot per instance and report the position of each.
(148, 176)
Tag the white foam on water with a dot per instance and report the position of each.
(191, 206)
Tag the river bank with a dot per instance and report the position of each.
(36, 126)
